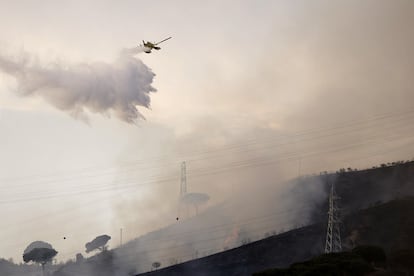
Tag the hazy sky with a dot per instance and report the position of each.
(327, 84)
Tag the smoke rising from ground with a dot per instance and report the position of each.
(337, 62)
(330, 62)
(107, 88)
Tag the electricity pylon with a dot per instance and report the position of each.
(333, 233)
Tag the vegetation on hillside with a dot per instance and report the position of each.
(362, 260)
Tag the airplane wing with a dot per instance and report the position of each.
(163, 40)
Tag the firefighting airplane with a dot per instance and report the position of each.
(148, 46)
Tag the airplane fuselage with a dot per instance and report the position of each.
(148, 46)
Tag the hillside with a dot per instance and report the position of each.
(388, 225)
(360, 261)
(11, 269)
(359, 189)
(380, 221)
(254, 256)
(303, 202)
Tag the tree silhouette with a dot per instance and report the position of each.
(39, 252)
(156, 265)
(97, 243)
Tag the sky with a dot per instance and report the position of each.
(245, 91)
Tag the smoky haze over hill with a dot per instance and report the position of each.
(335, 91)
(310, 86)
(224, 227)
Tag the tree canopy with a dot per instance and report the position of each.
(97, 243)
(40, 255)
(39, 252)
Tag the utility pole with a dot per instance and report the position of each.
(120, 241)
(183, 187)
(333, 233)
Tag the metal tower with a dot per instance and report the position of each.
(333, 233)
(183, 187)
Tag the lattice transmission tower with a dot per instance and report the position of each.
(333, 233)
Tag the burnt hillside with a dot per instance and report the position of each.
(371, 216)
(357, 190)
(360, 189)
(364, 188)
(281, 250)
(388, 225)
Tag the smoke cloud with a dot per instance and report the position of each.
(107, 88)
(331, 62)
(325, 63)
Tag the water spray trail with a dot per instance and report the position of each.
(115, 88)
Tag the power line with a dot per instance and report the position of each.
(257, 162)
(263, 148)
(252, 142)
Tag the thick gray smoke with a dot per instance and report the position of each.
(106, 88)
(330, 62)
